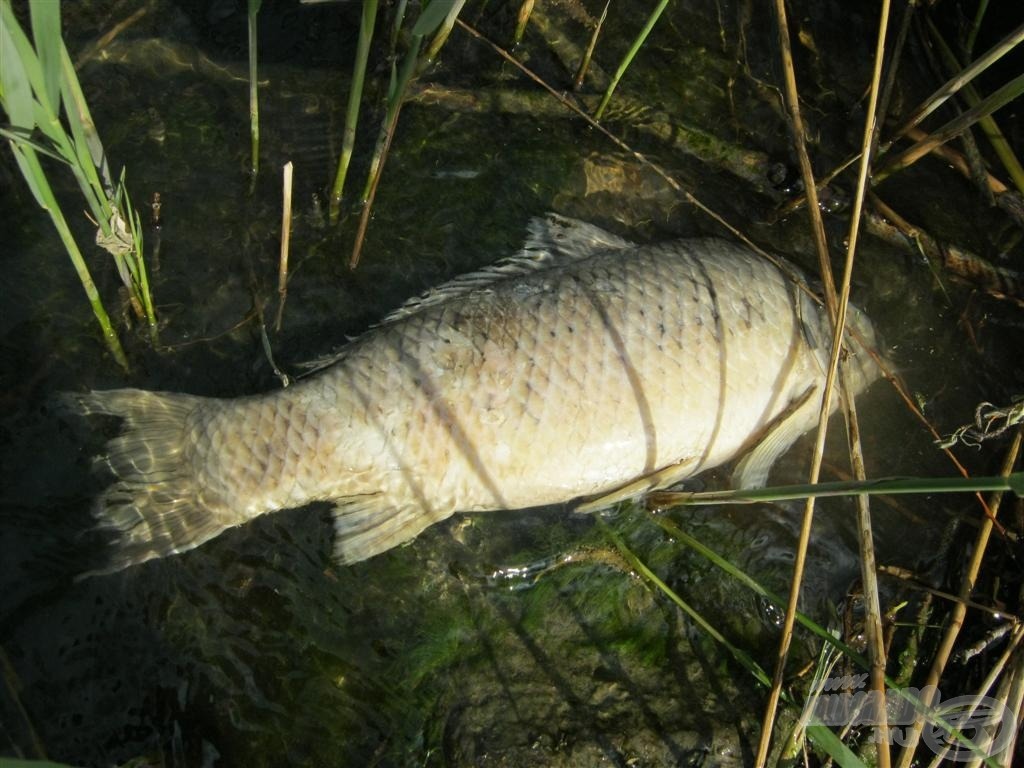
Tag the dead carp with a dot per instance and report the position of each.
(582, 365)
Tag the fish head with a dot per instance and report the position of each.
(864, 351)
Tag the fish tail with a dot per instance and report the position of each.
(154, 508)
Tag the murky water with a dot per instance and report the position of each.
(510, 639)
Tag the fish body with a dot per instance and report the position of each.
(581, 366)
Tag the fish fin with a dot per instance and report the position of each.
(563, 239)
(551, 241)
(775, 439)
(154, 508)
(661, 478)
(365, 526)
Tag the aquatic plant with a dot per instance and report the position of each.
(38, 86)
(252, 14)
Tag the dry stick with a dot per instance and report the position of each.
(929, 105)
(90, 50)
(1015, 701)
(956, 618)
(959, 162)
(873, 617)
(286, 231)
(818, 231)
(364, 216)
(896, 53)
(953, 128)
(962, 78)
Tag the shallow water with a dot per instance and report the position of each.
(509, 639)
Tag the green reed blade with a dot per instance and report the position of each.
(444, 30)
(431, 17)
(630, 54)
(33, 173)
(45, 20)
(741, 656)
(884, 485)
(84, 129)
(20, 73)
(254, 104)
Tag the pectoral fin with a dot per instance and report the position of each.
(661, 478)
(775, 439)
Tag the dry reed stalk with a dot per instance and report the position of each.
(286, 231)
(956, 619)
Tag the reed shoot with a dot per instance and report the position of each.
(630, 55)
(355, 97)
(254, 100)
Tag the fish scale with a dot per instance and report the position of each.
(585, 366)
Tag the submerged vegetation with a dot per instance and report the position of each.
(902, 633)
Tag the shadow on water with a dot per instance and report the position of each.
(256, 649)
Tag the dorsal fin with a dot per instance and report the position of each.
(551, 241)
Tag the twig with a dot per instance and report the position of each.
(103, 41)
(873, 617)
(286, 230)
(956, 618)
(818, 232)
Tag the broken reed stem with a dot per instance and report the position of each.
(577, 83)
(254, 103)
(286, 231)
(959, 610)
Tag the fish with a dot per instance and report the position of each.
(583, 369)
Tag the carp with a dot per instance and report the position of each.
(584, 367)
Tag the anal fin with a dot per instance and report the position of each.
(365, 526)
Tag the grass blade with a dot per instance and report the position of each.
(630, 55)
(45, 21)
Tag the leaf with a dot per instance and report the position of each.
(1016, 481)
(829, 743)
(45, 17)
(432, 16)
(15, 88)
